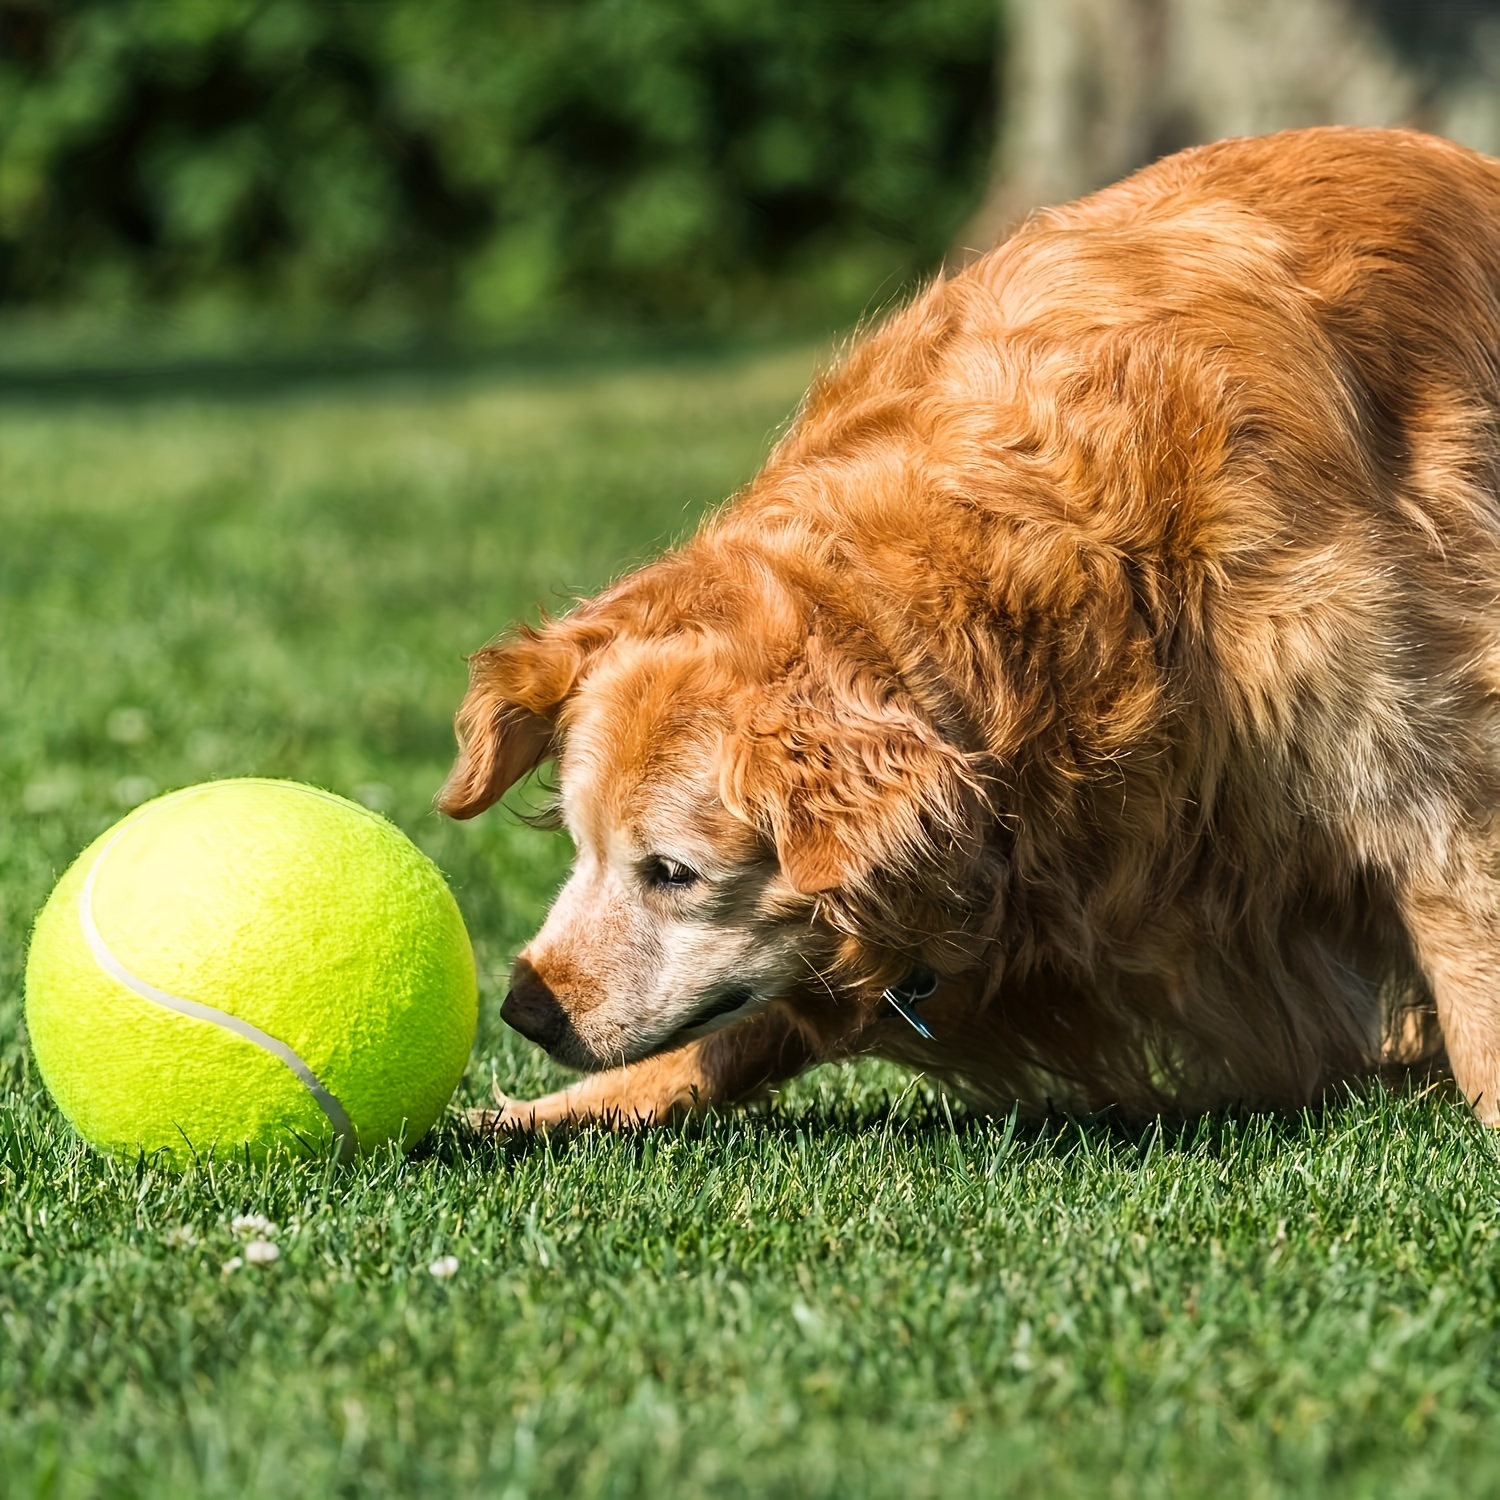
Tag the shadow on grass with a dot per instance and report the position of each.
(919, 1116)
(123, 378)
(928, 1118)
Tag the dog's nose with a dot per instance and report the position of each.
(532, 1008)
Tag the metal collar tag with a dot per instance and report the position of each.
(904, 998)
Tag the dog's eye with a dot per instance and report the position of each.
(668, 875)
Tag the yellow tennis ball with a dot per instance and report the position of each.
(250, 962)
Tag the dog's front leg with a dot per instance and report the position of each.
(1454, 925)
(726, 1067)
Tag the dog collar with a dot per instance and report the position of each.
(905, 997)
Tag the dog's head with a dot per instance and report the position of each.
(740, 782)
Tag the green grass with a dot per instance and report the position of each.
(859, 1291)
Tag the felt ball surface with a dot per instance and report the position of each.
(246, 963)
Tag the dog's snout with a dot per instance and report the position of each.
(532, 1008)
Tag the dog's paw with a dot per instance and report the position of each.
(485, 1122)
(492, 1123)
(511, 1117)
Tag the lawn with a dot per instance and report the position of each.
(862, 1290)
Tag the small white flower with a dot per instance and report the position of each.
(261, 1253)
(232, 1264)
(248, 1224)
(184, 1237)
(444, 1267)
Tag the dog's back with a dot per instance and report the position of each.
(1181, 507)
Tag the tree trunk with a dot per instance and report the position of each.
(1096, 88)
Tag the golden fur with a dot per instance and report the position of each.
(1115, 634)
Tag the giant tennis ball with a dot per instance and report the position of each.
(250, 962)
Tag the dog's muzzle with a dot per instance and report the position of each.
(532, 1009)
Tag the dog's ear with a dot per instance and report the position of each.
(507, 722)
(839, 768)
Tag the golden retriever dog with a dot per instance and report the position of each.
(1095, 699)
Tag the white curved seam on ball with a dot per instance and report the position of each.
(325, 1099)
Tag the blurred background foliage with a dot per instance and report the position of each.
(497, 168)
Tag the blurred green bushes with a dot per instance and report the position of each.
(493, 165)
